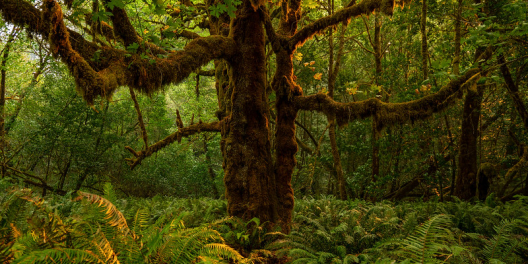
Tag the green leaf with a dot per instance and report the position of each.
(133, 47)
(114, 3)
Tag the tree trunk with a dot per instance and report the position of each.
(513, 90)
(333, 70)
(425, 54)
(466, 180)
(3, 141)
(376, 130)
(458, 22)
(249, 174)
(210, 170)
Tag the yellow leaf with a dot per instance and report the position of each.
(312, 62)
(318, 76)
(306, 64)
(298, 56)
(145, 31)
(352, 90)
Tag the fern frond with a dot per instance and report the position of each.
(429, 241)
(104, 247)
(113, 216)
(59, 255)
(221, 250)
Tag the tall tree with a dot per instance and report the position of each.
(257, 179)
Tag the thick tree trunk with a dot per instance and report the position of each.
(251, 187)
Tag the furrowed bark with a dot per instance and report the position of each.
(252, 189)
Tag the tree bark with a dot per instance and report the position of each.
(513, 90)
(425, 53)
(333, 70)
(376, 129)
(249, 175)
(458, 22)
(466, 180)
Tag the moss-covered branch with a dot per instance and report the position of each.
(176, 136)
(388, 113)
(113, 67)
(317, 27)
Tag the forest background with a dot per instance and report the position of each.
(54, 143)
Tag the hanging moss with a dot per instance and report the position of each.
(388, 113)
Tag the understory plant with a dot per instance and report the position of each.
(88, 228)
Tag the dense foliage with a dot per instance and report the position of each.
(87, 228)
(443, 183)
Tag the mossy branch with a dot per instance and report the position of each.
(115, 67)
(318, 26)
(176, 136)
(388, 113)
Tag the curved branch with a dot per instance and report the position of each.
(317, 27)
(176, 136)
(388, 113)
(307, 132)
(113, 69)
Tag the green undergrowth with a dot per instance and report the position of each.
(88, 228)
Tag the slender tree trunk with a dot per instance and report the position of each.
(333, 70)
(466, 181)
(210, 170)
(458, 23)
(376, 130)
(3, 141)
(513, 90)
(425, 54)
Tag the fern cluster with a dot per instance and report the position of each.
(88, 228)
(332, 231)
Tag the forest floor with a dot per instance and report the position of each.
(88, 228)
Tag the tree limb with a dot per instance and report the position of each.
(317, 27)
(176, 136)
(114, 68)
(388, 113)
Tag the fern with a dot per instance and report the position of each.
(59, 255)
(113, 216)
(507, 242)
